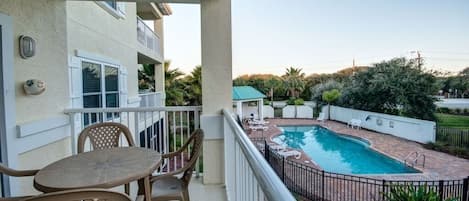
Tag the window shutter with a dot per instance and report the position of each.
(123, 93)
(76, 82)
(76, 88)
(121, 7)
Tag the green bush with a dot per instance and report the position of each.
(444, 110)
(266, 102)
(457, 111)
(299, 101)
(412, 193)
(291, 101)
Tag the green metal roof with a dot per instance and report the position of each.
(246, 93)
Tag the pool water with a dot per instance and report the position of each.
(338, 153)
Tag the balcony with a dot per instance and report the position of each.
(148, 44)
(164, 129)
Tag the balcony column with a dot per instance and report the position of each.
(159, 81)
(216, 83)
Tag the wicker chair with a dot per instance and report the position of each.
(81, 195)
(104, 136)
(16, 173)
(171, 187)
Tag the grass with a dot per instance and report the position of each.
(452, 121)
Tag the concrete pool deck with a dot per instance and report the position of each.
(438, 165)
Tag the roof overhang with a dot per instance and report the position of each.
(152, 11)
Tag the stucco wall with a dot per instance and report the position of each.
(44, 21)
(408, 128)
(40, 157)
(117, 38)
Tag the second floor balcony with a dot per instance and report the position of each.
(148, 43)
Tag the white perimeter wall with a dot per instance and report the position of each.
(453, 103)
(268, 111)
(412, 129)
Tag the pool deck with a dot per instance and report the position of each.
(438, 165)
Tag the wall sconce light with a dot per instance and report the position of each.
(27, 47)
(34, 87)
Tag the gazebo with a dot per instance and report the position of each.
(243, 96)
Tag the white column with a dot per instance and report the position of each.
(216, 83)
(261, 109)
(239, 109)
(159, 82)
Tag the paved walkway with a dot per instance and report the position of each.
(438, 165)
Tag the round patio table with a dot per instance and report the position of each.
(105, 168)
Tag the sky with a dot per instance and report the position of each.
(322, 36)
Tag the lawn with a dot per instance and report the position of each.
(453, 121)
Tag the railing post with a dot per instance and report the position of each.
(465, 188)
(136, 130)
(266, 150)
(383, 190)
(283, 169)
(440, 189)
(322, 185)
(72, 133)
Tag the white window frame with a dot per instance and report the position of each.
(118, 12)
(103, 91)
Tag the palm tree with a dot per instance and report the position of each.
(330, 97)
(194, 86)
(271, 84)
(174, 87)
(146, 77)
(294, 80)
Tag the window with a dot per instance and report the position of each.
(112, 4)
(100, 88)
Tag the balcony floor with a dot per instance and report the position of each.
(197, 191)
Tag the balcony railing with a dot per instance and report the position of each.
(164, 129)
(248, 176)
(147, 37)
(152, 99)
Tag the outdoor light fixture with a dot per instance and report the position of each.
(34, 87)
(27, 47)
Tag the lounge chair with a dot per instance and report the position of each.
(294, 153)
(258, 122)
(355, 123)
(262, 128)
(322, 117)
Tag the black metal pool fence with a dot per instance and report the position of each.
(458, 137)
(311, 183)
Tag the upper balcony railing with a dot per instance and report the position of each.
(147, 37)
(248, 176)
(151, 99)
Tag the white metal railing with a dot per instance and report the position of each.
(147, 37)
(152, 99)
(164, 129)
(248, 176)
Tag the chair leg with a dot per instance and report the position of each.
(185, 195)
(127, 189)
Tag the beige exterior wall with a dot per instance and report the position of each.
(50, 62)
(40, 157)
(98, 32)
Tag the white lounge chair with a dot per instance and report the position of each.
(258, 122)
(354, 123)
(322, 117)
(294, 153)
(259, 128)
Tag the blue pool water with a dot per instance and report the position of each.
(338, 153)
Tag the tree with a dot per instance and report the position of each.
(294, 80)
(397, 86)
(174, 87)
(146, 77)
(271, 84)
(330, 97)
(193, 84)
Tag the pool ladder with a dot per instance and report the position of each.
(412, 159)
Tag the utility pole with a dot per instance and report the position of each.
(353, 63)
(419, 58)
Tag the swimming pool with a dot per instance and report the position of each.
(338, 153)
